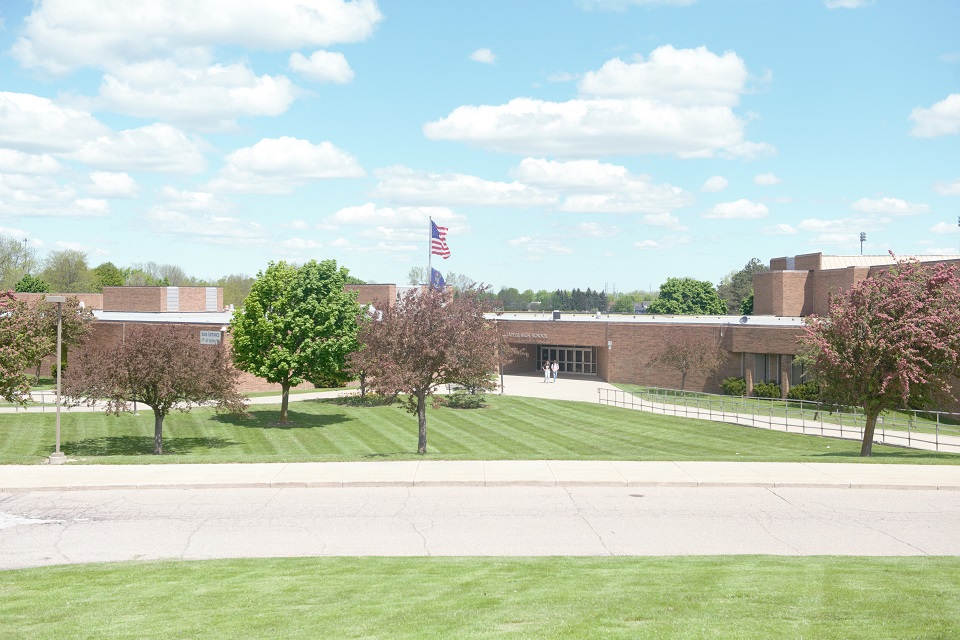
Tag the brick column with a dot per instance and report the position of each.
(785, 362)
(748, 372)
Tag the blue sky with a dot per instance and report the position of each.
(570, 143)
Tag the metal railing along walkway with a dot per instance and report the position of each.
(929, 430)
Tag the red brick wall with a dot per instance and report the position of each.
(154, 299)
(381, 296)
(92, 301)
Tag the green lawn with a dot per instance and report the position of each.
(509, 428)
(742, 597)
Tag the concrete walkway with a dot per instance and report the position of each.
(18, 478)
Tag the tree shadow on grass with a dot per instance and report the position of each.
(907, 455)
(269, 419)
(143, 445)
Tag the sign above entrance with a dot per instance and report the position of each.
(539, 336)
(209, 337)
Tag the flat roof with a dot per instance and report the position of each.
(842, 262)
(219, 318)
(650, 318)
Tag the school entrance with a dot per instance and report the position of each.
(581, 360)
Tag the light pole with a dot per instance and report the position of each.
(863, 238)
(57, 456)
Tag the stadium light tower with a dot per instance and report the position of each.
(863, 238)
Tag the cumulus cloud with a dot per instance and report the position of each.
(41, 196)
(483, 55)
(61, 35)
(13, 161)
(889, 206)
(112, 185)
(715, 183)
(203, 96)
(741, 209)
(596, 230)
(766, 179)
(667, 242)
(779, 230)
(951, 188)
(539, 247)
(204, 228)
(942, 119)
(183, 200)
(279, 165)
(156, 147)
(322, 66)
(406, 186)
(677, 76)
(678, 102)
(410, 218)
(36, 125)
(592, 127)
(944, 228)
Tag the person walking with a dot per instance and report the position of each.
(554, 368)
(546, 371)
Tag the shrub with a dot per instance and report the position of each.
(370, 400)
(466, 401)
(804, 391)
(734, 386)
(766, 390)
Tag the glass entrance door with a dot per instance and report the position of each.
(581, 360)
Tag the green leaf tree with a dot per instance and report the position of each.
(296, 325)
(23, 340)
(427, 340)
(737, 286)
(106, 275)
(66, 271)
(31, 284)
(687, 296)
(17, 259)
(891, 341)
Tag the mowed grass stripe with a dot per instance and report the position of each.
(509, 428)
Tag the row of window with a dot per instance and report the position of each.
(766, 367)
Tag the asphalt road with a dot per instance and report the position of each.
(54, 527)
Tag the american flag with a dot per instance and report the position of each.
(438, 241)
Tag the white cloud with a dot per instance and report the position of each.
(715, 183)
(595, 187)
(596, 230)
(594, 127)
(404, 185)
(667, 242)
(207, 97)
(483, 55)
(779, 230)
(944, 228)
(889, 206)
(300, 244)
(677, 76)
(562, 76)
(112, 185)
(951, 188)
(14, 232)
(155, 147)
(663, 220)
(34, 124)
(298, 224)
(766, 179)
(397, 218)
(60, 35)
(539, 247)
(192, 200)
(847, 4)
(322, 66)
(40, 196)
(279, 165)
(204, 228)
(741, 209)
(13, 161)
(942, 119)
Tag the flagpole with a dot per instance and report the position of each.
(430, 249)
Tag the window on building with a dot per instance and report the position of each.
(798, 373)
(766, 367)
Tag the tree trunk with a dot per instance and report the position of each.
(683, 379)
(157, 432)
(284, 401)
(422, 422)
(871, 423)
(363, 384)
